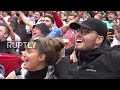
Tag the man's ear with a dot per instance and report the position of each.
(52, 25)
(5, 35)
(99, 40)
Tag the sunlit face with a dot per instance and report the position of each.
(4, 14)
(36, 32)
(117, 35)
(117, 22)
(3, 33)
(86, 40)
(36, 15)
(32, 58)
(13, 13)
(48, 21)
(118, 13)
(63, 16)
(30, 13)
(111, 16)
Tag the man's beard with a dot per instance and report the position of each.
(81, 50)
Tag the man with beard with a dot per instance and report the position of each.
(95, 59)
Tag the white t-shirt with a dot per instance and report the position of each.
(6, 18)
(115, 42)
(17, 39)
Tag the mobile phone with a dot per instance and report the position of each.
(111, 30)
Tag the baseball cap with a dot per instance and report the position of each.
(92, 24)
(43, 27)
(114, 12)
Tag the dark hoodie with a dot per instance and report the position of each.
(4, 48)
(100, 63)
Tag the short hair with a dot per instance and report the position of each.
(48, 12)
(40, 12)
(116, 27)
(26, 13)
(7, 28)
(51, 18)
(114, 12)
(6, 11)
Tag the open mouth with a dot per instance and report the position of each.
(23, 59)
(79, 41)
(33, 33)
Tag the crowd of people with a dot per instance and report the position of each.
(57, 45)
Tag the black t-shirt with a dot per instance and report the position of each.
(40, 74)
(69, 51)
(5, 47)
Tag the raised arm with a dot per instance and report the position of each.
(12, 35)
(25, 19)
(65, 27)
(57, 18)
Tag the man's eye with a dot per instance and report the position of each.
(46, 20)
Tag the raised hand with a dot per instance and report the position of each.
(80, 13)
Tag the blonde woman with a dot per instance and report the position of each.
(39, 59)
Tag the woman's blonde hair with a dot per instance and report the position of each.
(50, 47)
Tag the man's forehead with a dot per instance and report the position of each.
(110, 13)
(46, 18)
(36, 13)
(2, 28)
